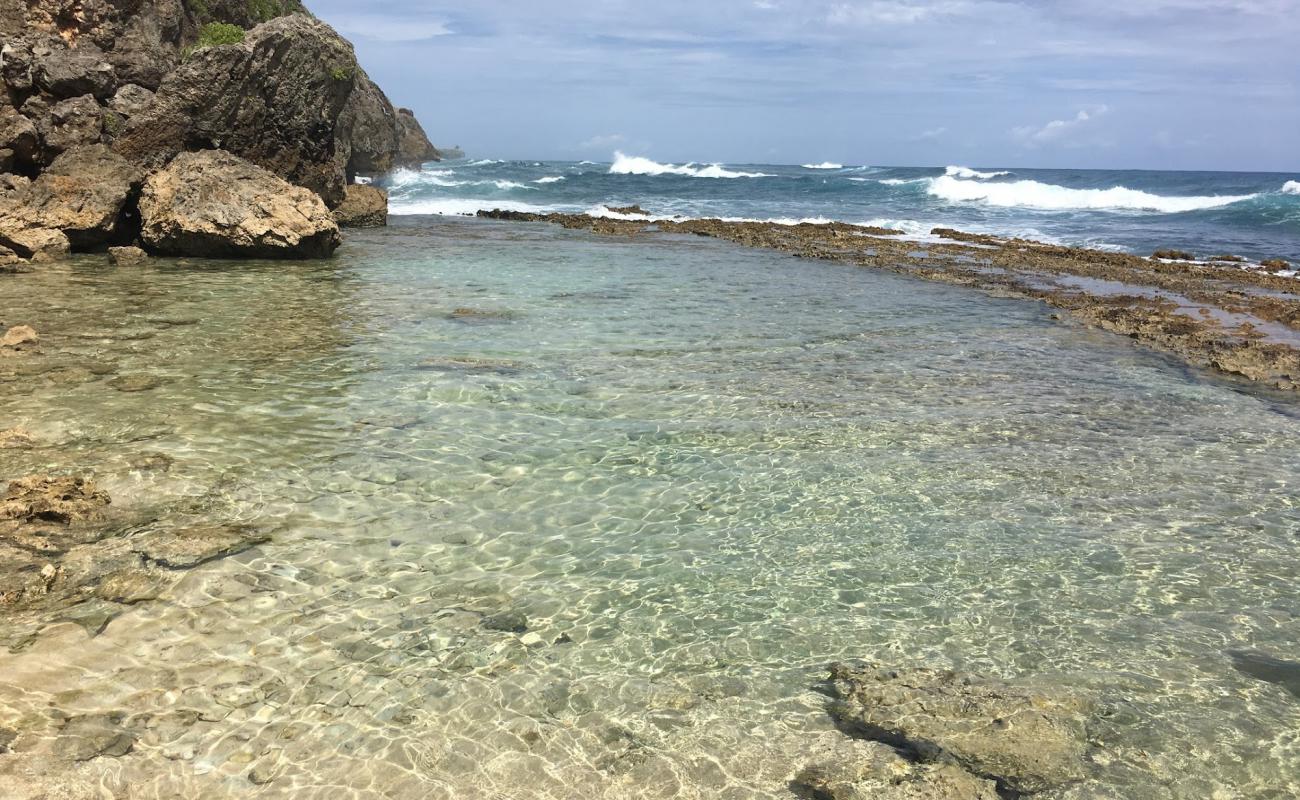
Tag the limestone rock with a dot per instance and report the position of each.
(42, 498)
(127, 256)
(93, 735)
(130, 100)
(190, 547)
(363, 207)
(82, 194)
(19, 135)
(1026, 739)
(73, 122)
(70, 72)
(38, 244)
(19, 336)
(214, 204)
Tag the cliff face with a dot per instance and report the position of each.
(260, 79)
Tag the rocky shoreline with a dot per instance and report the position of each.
(1213, 314)
(199, 128)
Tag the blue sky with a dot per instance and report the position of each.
(1159, 84)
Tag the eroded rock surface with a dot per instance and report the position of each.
(82, 195)
(214, 204)
(1027, 740)
(363, 207)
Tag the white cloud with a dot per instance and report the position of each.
(1057, 129)
(388, 27)
(603, 142)
(933, 133)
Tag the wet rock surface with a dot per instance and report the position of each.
(1239, 321)
(214, 204)
(1026, 740)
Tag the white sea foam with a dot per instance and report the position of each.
(483, 162)
(1291, 187)
(460, 206)
(824, 165)
(967, 172)
(637, 165)
(892, 181)
(1046, 196)
(550, 179)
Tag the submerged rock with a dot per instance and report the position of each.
(363, 207)
(44, 498)
(507, 622)
(871, 771)
(1028, 740)
(93, 735)
(190, 547)
(1265, 667)
(217, 205)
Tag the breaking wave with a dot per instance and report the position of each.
(550, 179)
(971, 174)
(1291, 187)
(637, 165)
(824, 165)
(1046, 196)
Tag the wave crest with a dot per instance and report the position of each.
(1291, 187)
(971, 174)
(638, 165)
(1046, 196)
(823, 165)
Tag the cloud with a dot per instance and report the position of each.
(389, 27)
(932, 134)
(1057, 129)
(602, 142)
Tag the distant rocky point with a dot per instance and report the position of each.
(101, 97)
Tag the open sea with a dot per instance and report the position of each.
(1256, 215)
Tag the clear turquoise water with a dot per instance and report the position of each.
(702, 473)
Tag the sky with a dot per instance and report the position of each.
(1119, 84)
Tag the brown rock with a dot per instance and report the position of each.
(363, 207)
(19, 135)
(93, 735)
(1275, 264)
(42, 498)
(82, 194)
(1026, 739)
(19, 336)
(1173, 255)
(38, 244)
(127, 256)
(214, 204)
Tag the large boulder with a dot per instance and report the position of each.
(19, 136)
(272, 99)
(1026, 739)
(214, 204)
(83, 194)
(363, 207)
(72, 122)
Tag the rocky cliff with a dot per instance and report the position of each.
(100, 94)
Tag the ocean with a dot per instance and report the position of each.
(1255, 215)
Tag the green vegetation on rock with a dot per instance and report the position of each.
(214, 34)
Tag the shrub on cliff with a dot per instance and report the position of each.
(214, 34)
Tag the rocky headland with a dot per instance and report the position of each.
(215, 128)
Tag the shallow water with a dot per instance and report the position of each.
(701, 472)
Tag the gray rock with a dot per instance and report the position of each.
(73, 122)
(363, 207)
(16, 65)
(131, 99)
(19, 135)
(507, 622)
(93, 735)
(214, 204)
(1028, 740)
(377, 136)
(62, 71)
(190, 547)
(7, 737)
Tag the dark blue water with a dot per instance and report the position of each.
(1256, 215)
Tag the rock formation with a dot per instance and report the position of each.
(363, 207)
(100, 94)
(217, 205)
